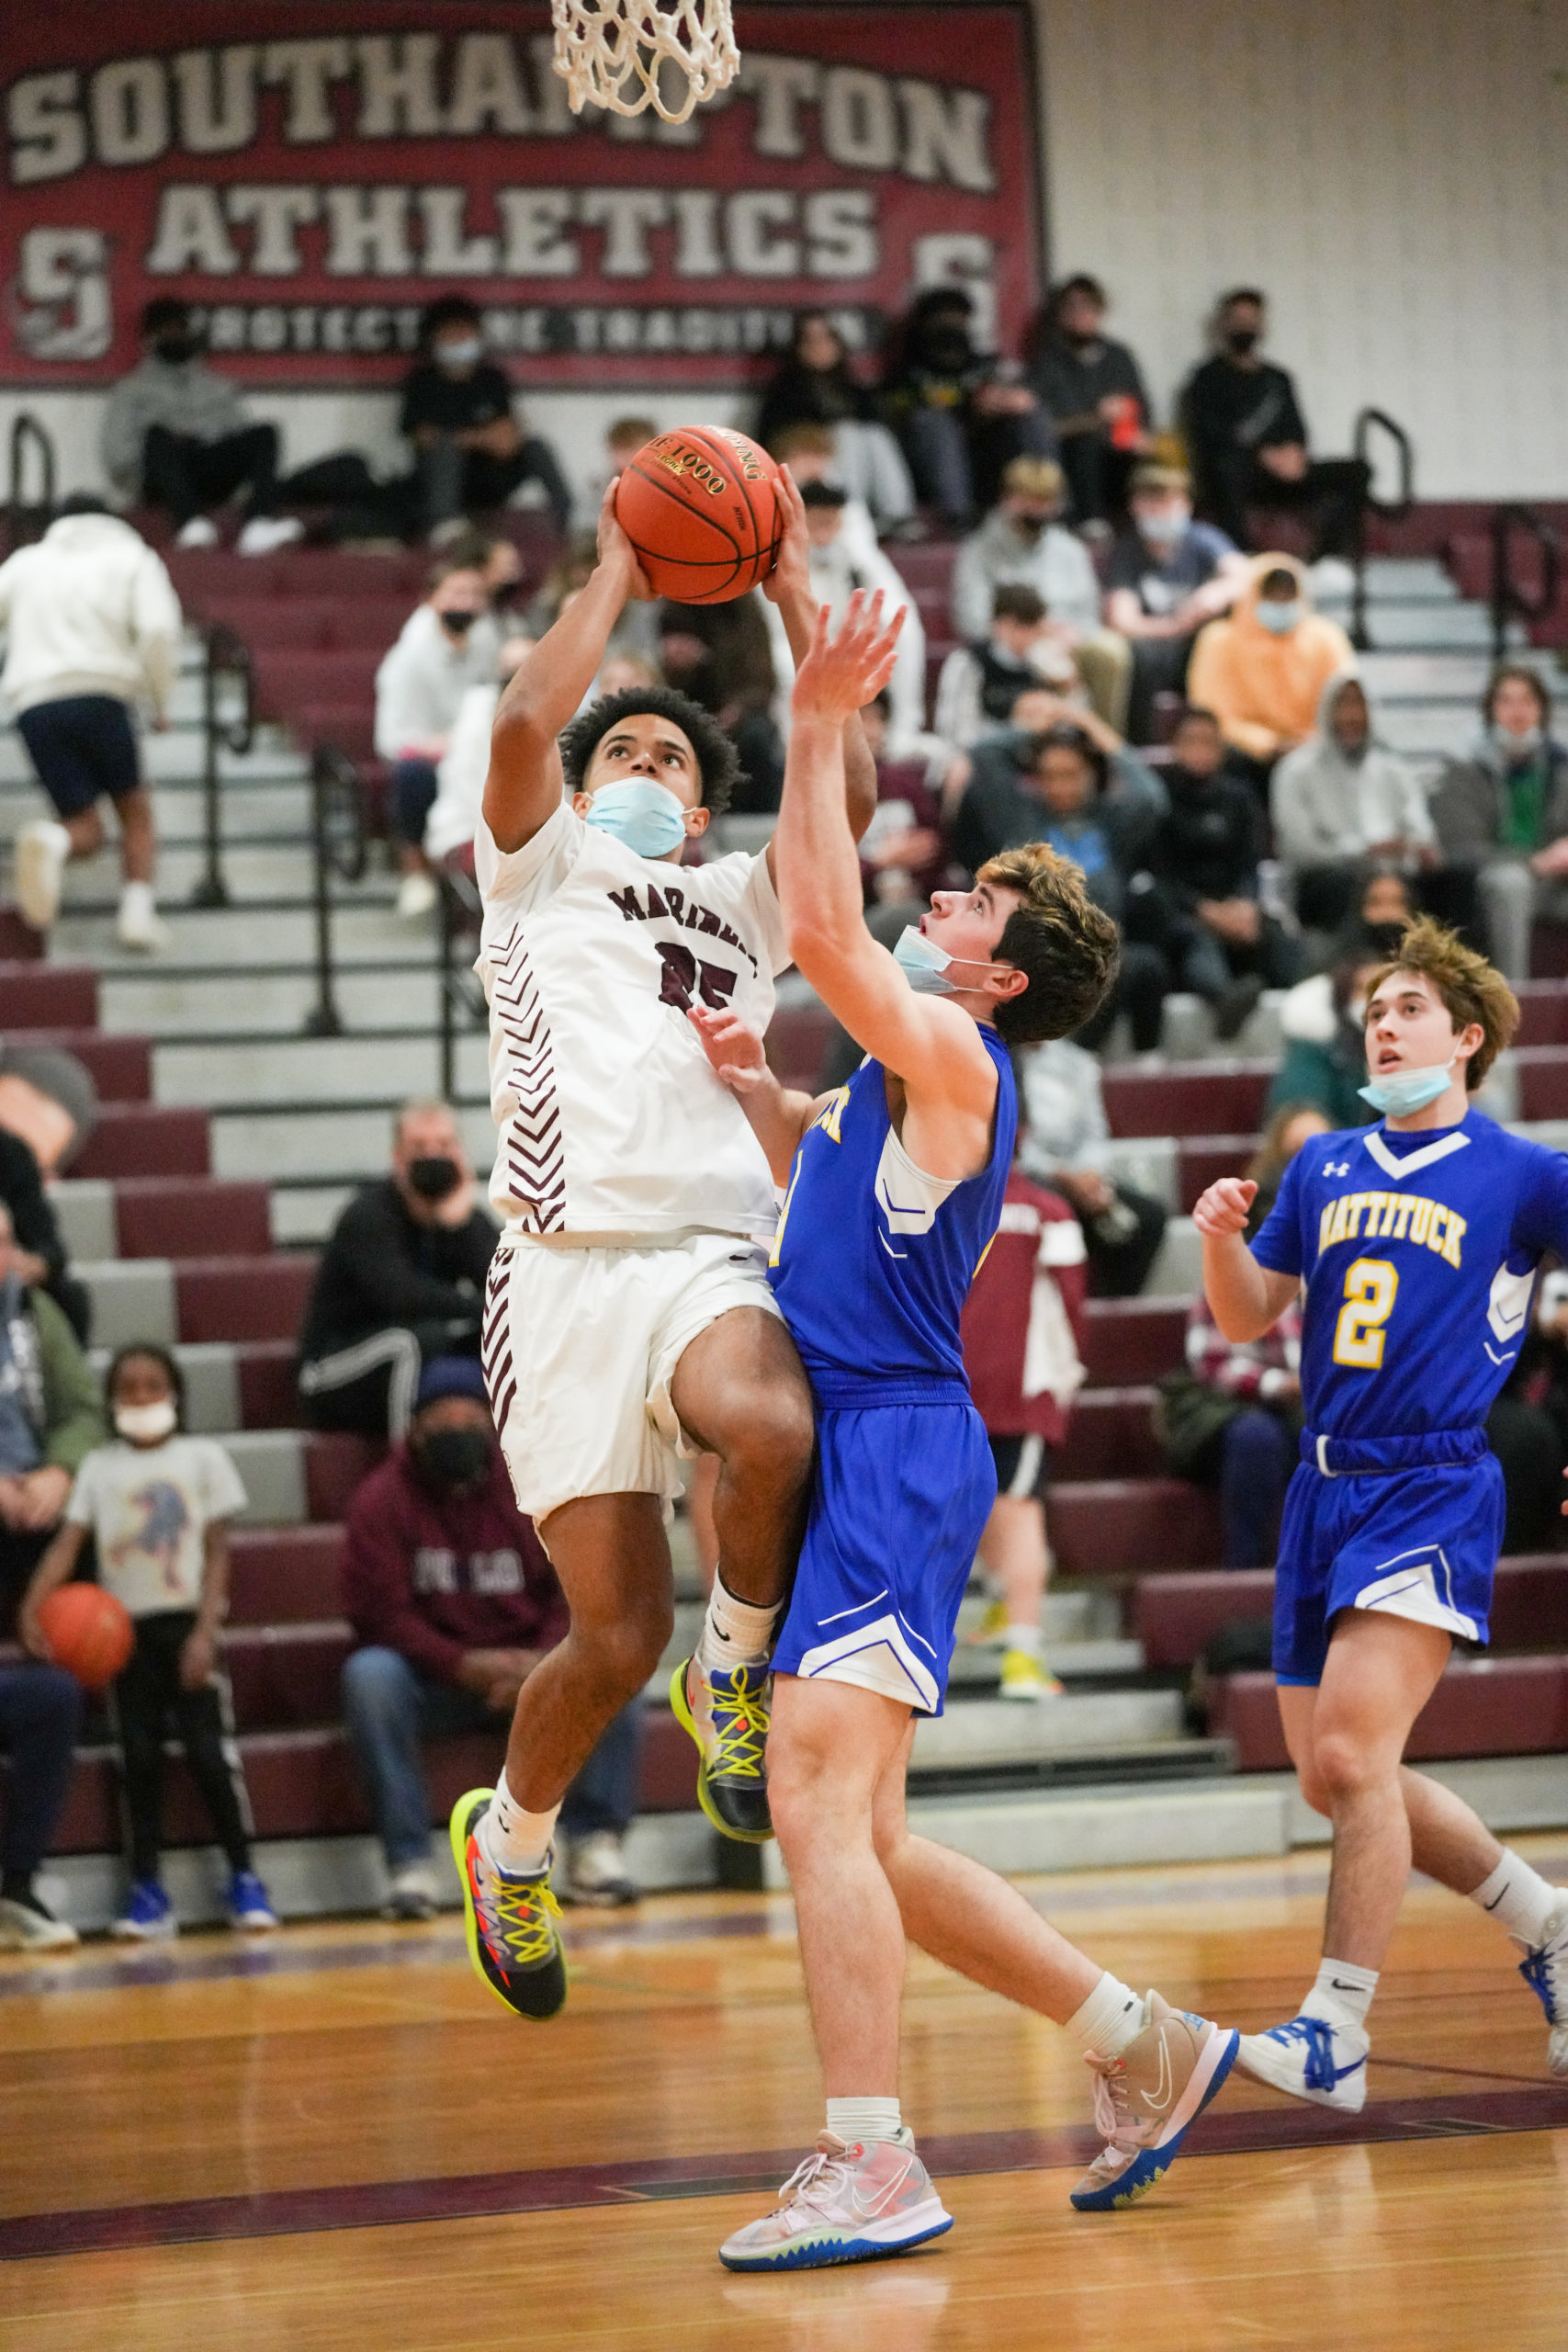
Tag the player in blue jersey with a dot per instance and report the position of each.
(1417, 1241)
(895, 1192)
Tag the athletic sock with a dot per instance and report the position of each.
(1342, 1995)
(735, 1633)
(1519, 1897)
(137, 897)
(1112, 2015)
(865, 2119)
(1026, 1638)
(512, 1839)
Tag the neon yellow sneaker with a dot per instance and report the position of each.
(992, 1627)
(1026, 1677)
(727, 1713)
(513, 1941)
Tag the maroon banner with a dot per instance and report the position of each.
(310, 178)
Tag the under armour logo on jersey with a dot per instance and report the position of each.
(1330, 1169)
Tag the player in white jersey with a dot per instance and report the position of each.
(628, 1318)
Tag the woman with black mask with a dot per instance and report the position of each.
(816, 385)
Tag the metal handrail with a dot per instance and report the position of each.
(1510, 599)
(461, 911)
(337, 830)
(28, 431)
(1393, 510)
(225, 656)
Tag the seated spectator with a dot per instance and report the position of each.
(839, 566)
(816, 385)
(961, 414)
(41, 1707)
(1502, 816)
(1262, 669)
(1167, 576)
(92, 628)
(49, 1418)
(1244, 426)
(402, 1278)
(452, 1603)
(471, 454)
(623, 438)
(37, 1251)
(47, 1098)
(808, 453)
(979, 684)
(1201, 908)
(1340, 798)
(903, 852)
(1233, 1417)
(1093, 391)
(1065, 1143)
(1021, 543)
(1022, 1336)
(1323, 1022)
(448, 643)
(725, 658)
(460, 772)
(156, 1504)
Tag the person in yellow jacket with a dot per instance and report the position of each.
(1261, 668)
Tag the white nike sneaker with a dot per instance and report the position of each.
(265, 534)
(1146, 2100)
(1545, 1970)
(199, 532)
(416, 895)
(39, 851)
(138, 925)
(845, 2203)
(1312, 2060)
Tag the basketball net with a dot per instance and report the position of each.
(610, 52)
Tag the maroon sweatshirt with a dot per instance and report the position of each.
(433, 1575)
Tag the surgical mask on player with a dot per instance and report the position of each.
(643, 815)
(147, 1423)
(1404, 1090)
(926, 966)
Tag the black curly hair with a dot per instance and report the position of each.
(718, 762)
(156, 1354)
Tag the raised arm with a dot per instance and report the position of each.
(1244, 1298)
(777, 1116)
(523, 789)
(789, 587)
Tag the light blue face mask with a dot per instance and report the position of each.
(650, 820)
(926, 966)
(1277, 618)
(1406, 1090)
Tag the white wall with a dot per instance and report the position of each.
(1395, 173)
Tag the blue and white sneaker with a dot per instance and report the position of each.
(148, 1915)
(1545, 1970)
(1312, 2060)
(1146, 2100)
(248, 1905)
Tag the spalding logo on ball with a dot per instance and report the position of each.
(702, 508)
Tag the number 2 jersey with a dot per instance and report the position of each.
(613, 1123)
(1420, 1253)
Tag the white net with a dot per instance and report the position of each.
(628, 54)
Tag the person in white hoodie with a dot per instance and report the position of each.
(1341, 799)
(447, 644)
(92, 630)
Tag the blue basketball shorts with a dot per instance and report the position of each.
(902, 1495)
(1417, 1544)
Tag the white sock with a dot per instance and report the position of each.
(1112, 2015)
(865, 2119)
(137, 899)
(1025, 1638)
(735, 1633)
(1519, 1897)
(1342, 1995)
(512, 1838)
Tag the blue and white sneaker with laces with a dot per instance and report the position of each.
(249, 1906)
(1312, 2060)
(148, 1915)
(1545, 1970)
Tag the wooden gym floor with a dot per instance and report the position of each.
(337, 2140)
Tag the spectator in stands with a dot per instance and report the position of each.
(156, 1504)
(1023, 1334)
(1233, 1417)
(1262, 669)
(903, 852)
(1065, 1145)
(92, 628)
(1202, 909)
(1502, 815)
(41, 1707)
(1167, 576)
(402, 1278)
(471, 454)
(839, 566)
(1093, 390)
(625, 436)
(980, 683)
(816, 385)
(1020, 542)
(1324, 1024)
(49, 1420)
(724, 657)
(175, 435)
(448, 643)
(47, 1098)
(37, 1251)
(1244, 427)
(1528, 1426)
(460, 772)
(454, 1602)
(962, 415)
(1341, 799)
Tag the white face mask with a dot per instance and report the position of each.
(147, 1423)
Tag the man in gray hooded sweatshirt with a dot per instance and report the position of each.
(1340, 799)
(1502, 814)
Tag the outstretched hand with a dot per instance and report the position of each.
(1225, 1207)
(733, 1047)
(842, 674)
(791, 574)
(617, 551)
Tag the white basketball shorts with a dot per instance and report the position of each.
(579, 1349)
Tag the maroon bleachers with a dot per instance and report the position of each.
(47, 996)
(268, 1398)
(335, 1465)
(120, 1067)
(242, 1298)
(1201, 1160)
(285, 1575)
(191, 1216)
(1132, 1339)
(1504, 1706)
(1175, 1616)
(137, 1139)
(19, 943)
(1220, 1098)
(1110, 1435)
(1107, 1527)
(1543, 1014)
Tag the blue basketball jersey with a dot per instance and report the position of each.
(1420, 1253)
(873, 1259)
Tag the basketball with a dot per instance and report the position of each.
(701, 506)
(89, 1632)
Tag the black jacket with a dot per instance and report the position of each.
(1229, 412)
(1208, 844)
(381, 1269)
(1073, 381)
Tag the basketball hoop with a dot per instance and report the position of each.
(611, 53)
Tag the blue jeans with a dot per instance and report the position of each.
(39, 1708)
(1258, 1454)
(390, 1705)
(412, 785)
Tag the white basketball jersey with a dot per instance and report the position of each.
(611, 1121)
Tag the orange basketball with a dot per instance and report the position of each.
(89, 1632)
(701, 506)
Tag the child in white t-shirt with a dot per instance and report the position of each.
(157, 1503)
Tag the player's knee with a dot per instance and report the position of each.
(1342, 1765)
(773, 1439)
(622, 1652)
